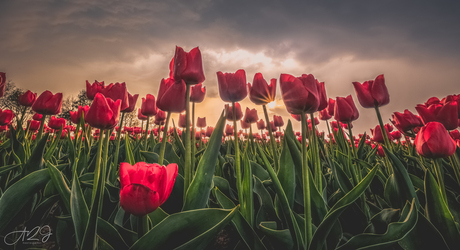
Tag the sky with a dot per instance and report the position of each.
(58, 45)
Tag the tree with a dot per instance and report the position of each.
(10, 101)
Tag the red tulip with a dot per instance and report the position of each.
(300, 94)
(48, 104)
(331, 107)
(278, 121)
(396, 135)
(238, 112)
(377, 135)
(322, 95)
(132, 100)
(160, 117)
(446, 114)
(103, 113)
(2, 83)
(115, 92)
(324, 115)
(34, 125)
(188, 66)
(197, 135)
(93, 89)
(56, 123)
(182, 121)
(345, 109)
(260, 93)
(4, 128)
(6, 116)
(201, 122)
(144, 187)
(273, 127)
(228, 130)
(250, 116)
(433, 141)
(316, 121)
(389, 127)
(372, 93)
(455, 134)
(171, 96)
(27, 99)
(37, 117)
(260, 124)
(406, 122)
(298, 117)
(148, 107)
(245, 125)
(140, 116)
(431, 101)
(209, 131)
(75, 116)
(232, 86)
(197, 93)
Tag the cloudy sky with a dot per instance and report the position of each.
(58, 45)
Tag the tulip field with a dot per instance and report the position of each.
(250, 181)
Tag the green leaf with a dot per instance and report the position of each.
(60, 184)
(36, 161)
(423, 236)
(150, 157)
(79, 209)
(110, 234)
(191, 229)
(198, 192)
(157, 216)
(280, 239)
(129, 152)
(7, 169)
(286, 173)
(248, 193)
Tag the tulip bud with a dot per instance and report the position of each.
(6, 116)
(433, 141)
(48, 104)
(345, 109)
(197, 93)
(372, 93)
(188, 66)
(27, 99)
(250, 116)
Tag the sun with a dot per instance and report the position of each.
(271, 105)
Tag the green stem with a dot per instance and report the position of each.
(142, 225)
(146, 133)
(251, 138)
(456, 166)
(193, 139)
(272, 139)
(163, 141)
(382, 128)
(97, 170)
(306, 183)
(115, 160)
(142, 126)
(188, 148)
(438, 171)
(40, 130)
(317, 163)
(237, 159)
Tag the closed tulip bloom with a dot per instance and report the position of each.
(298, 117)
(433, 141)
(34, 125)
(238, 112)
(140, 116)
(446, 114)
(273, 127)
(149, 107)
(188, 66)
(93, 89)
(132, 100)
(182, 121)
(160, 117)
(27, 99)
(209, 131)
(48, 104)
(232, 86)
(260, 93)
(56, 123)
(432, 100)
(245, 125)
(300, 94)
(201, 122)
(324, 115)
(260, 124)
(396, 135)
(6, 116)
(75, 116)
(405, 122)
(250, 116)
(37, 117)
(197, 93)
(171, 96)
(322, 95)
(316, 121)
(372, 93)
(104, 113)
(2, 83)
(278, 121)
(145, 187)
(345, 109)
(331, 106)
(377, 134)
(228, 130)
(117, 91)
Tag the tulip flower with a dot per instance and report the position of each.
(372, 93)
(250, 116)
(232, 86)
(93, 89)
(34, 125)
(433, 141)
(432, 100)
(324, 115)
(201, 122)
(148, 107)
(6, 116)
(245, 125)
(300, 94)
(316, 121)
(75, 116)
(406, 122)
(132, 100)
(188, 66)
(103, 113)
(171, 96)
(260, 124)
(345, 109)
(140, 116)
(278, 121)
(182, 121)
(396, 135)
(377, 134)
(273, 127)
(56, 123)
(446, 114)
(209, 131)
(197, 93)
(144, 187)
(37, 117)
(117, 91)
(298, 117)
(322, 95)
(160, 117)
(228, 130)
(48, 104)
(239, 113)
(331, 106)
(260, 93)
(2, 83)
(27, 99)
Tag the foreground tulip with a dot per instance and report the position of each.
(6, 116)
(93, 89)
(148, 107)
(433, 141)
(171, 96)
(250, 116)
(232, 86)
(345, 110)
(260, 93)
(238, 112)
(27, 99)
(300, 94)
(56, 123)
(372, 93)
(188, 66)
(104, 112)
(75, 116)
(117, 91)
(197, 93)
(144, 187)
(48, 104)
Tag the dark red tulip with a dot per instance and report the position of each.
(345, 109)
(182, 120)
(250, 116)
(389, 127)
(372, 93)
(273, 127)
(260, 93)
(188, 66)
(6, 116)
(377, 135)
(2, 83)
(278, 121)
(103, 113)
(331, 106)
(455, 134)
(197, 93)
(396, 135)
(27, 99)
(197, 135)
(316, 121)
(245, 125)
(132, 100)
(34, 125)
(322, 95)
(48, 104)
(298, 117)
(201, 122)
(238, 112)
(451, 98)
(93, 89)
(140, 116)
(149, 107)
(228, 130)
(324, 115)
(433, 141)
(117, 91)
(37, 117)
(171, 95)
(209, 131)
(144, 187)
(160, 117)
(300, 94)
(75, 116)
(232, 86)
(405, 122)
(56, 123)
(431, 101)
(446, 114)
(260, 124)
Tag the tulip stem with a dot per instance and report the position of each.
(272, 139)
(455, 165)
(142, 225)
(40, 130)
(146, 133)
(438, 170)
(306, 183)
(115, 159)
(193, 140)
(188, 148)
(317, 163)
(237, 161)
(382, 128)
(97, 170)
(163, 141)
